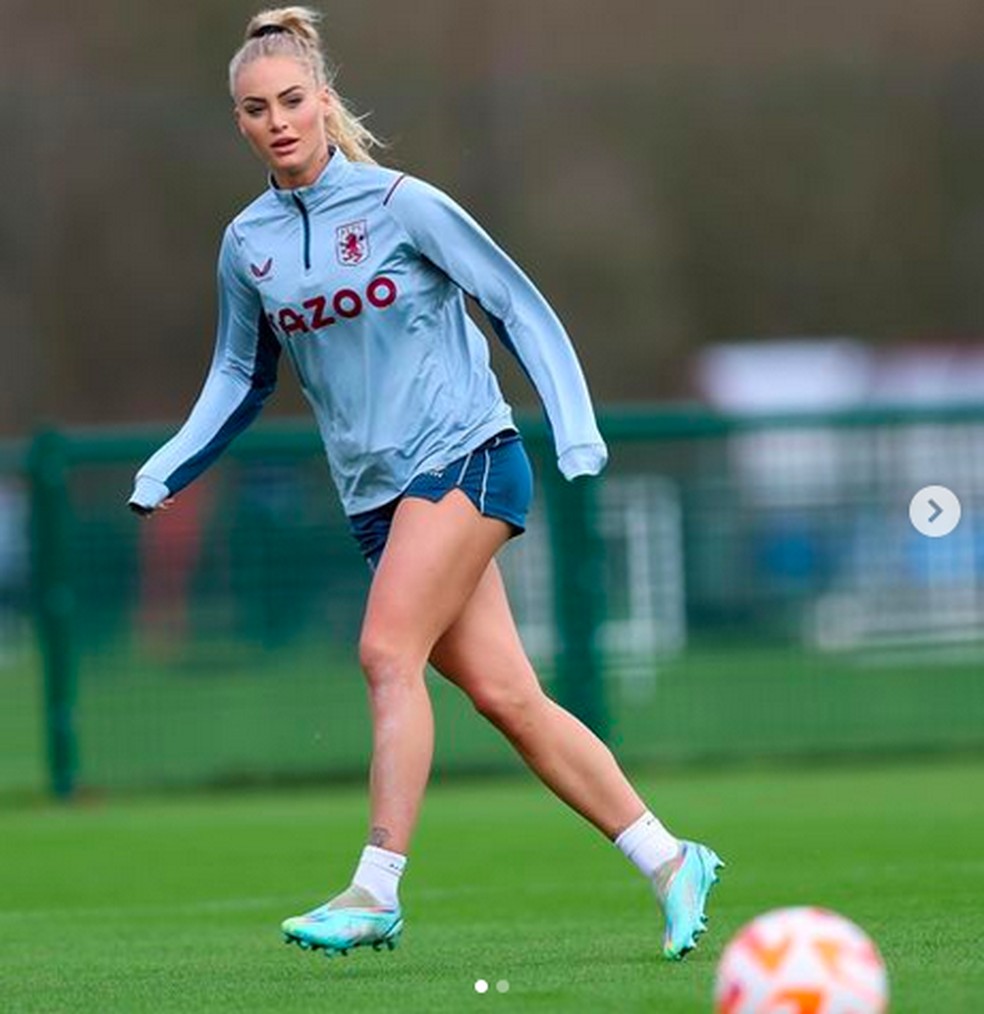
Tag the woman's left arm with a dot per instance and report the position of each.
(451, 239)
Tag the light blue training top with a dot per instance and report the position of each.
(360, 279)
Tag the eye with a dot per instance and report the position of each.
(294, 100)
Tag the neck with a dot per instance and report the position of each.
(306, 176)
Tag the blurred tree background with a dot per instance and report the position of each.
(671, 174)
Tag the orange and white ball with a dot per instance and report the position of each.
(801, 961)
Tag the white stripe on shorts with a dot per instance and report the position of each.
(485, 480)
(464, 468)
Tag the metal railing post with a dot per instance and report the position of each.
(54, 602)
(578, 592)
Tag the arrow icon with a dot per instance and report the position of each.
(934, 511)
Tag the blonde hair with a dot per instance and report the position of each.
(292, 31)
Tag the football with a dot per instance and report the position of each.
(801, 961)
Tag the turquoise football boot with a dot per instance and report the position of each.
(682, 886)
(353, 919)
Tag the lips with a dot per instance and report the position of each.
(284, 145)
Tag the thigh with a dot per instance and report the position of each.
(481, 652)
(434, 557)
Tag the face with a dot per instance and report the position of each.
(281, 112)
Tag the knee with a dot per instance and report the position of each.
(386, 662)
(512, 709)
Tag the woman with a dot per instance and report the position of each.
(358, 273)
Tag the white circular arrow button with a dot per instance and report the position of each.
(934, 511)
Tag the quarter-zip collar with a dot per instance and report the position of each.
(328, 181)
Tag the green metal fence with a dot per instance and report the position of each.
(732, 587)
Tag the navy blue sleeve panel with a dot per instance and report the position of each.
(452, 240)
(242, 376)
(262, 383)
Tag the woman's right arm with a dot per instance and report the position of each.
(242, 376)
(444, 233)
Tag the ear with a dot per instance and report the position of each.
(237, 116)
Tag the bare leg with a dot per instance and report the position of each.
(435, 555)
(481, 652)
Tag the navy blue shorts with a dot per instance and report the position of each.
(496, 477)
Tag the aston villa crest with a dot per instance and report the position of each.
(352, 243)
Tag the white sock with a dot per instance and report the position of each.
(648, 844)
(379, 873)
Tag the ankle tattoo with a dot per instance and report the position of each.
(378, 837)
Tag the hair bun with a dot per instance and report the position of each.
(300, 22)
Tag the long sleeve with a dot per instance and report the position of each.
(242, 375)
(448, 237)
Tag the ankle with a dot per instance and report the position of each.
(647, 844)
(379, 873)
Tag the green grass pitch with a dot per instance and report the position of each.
(173, 903)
